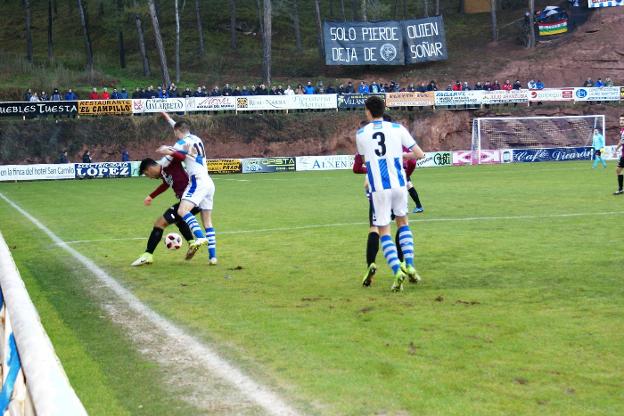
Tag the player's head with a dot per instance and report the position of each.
(375, 107)
(622, 120)
(181, 128)
(150, 168)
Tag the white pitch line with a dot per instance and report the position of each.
(351, 224)
(199, 352)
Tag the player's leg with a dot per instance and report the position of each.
(620, 177)
(383, 206)
(152, 242)
(206, 214)
(372, 247)
(192, 196)
(414, 195)
(406, 239)
(596, 158)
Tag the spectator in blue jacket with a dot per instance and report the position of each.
(599, 83)
(364, 88)
(123, 95)
(70, 95)
(56, 95)
(539, 85)
(309, 88)
(114, 94)
(160, 93)
(125, 156)
(28, 94)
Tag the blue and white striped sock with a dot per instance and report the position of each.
(406, 240)
(212, 242)
(390, 253)
(193, 225)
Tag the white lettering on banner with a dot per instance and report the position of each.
(37, 172)
(379, 34)
(325, 162)
(459, 97)
(503, 97)
(344, 54)
(426, 49)
(340, 34)
(286, 102)
(423, 30)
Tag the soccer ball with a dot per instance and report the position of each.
(173, 241)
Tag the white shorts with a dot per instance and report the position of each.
(389, 201)
(200, 192)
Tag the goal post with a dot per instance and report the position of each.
(535, 132)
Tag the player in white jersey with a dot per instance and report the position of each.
(381, 143)
(200, 190)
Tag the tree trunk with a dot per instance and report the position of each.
(260, 18)
(177, 47)
(437, 9)
(353, 9)
(122, 50)
(55, 7)
(405, 9)
(342, 9)
(142, 48)
(200, 30)
(296, 26)
(50, 42)
(364, 14)
(331, 9)
(396, 9)
(532, 40)
(29, 47)
(159, 43)
(266, 43)
(494, 26)
(319, 24)
(233, 41)
(87, 37)
(426, 7)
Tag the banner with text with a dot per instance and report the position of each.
(410, 99)
(363, 43)
(597, 94)
(465, 157)
(459, 97)
(424, 40)
(608, 3)
(350, 101)
(286, 102)
(211, 104)
(325, 162)
(435, 159)
(33, 109)
(505, 97)
(37, 172)
(156, 105)
(224, 165)
(269, 164)
(556, 154)
(104, 107)
(552, 94)
(103, 170)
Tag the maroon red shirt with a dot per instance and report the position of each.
(173, 176)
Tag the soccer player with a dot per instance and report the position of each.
(620, 165)
(173, 176)
(381, 143)
(200, 189)
(410, 165)
(598, 143)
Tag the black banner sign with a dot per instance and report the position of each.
(31, 109)
(424, 40)
(349, 101)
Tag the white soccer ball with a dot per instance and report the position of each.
(173, 241)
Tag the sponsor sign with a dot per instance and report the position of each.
(37, 172)
(553, 28)
(29, 109)
(347, 101)
(224, 165)
(325, 162)
(314, 101)
(156, 105)
(506, 156)
(597, 94)
(435, 159)
(504, 97)
(269, 164)
(410, 99)
(103, 170)
(552, 94)
(286, 102)
(104, 107)
(363, 43)
(598, 3)
(134, 168)
(424, 40)
(556, 154)
(610, 153)
(211, 104)
(465, 157)
(459, 97)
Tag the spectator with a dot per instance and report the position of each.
(150, 92)
(363, 88)
(115, 94)
(321, 89)
(374, 88)
(349, 89)
(187, 93)
(173, 91)
(216, 92)
(432, 86)
(198, 92)
(56, 95)
(309, 88)
(44, 96)
(517, 85)
(245, 91)
(478, 86)
(123, 94)
(487, 86)
(539, 85)
(507, 86)
(86, 157)
(588, 83)
(105, 94)
(421, 88)
(383, 88)
(160, 93)
(34, 97)
(330, 90)
(608, 82)
(70, 95)
(599, 83)
(227, 90)
(300, 90)
(411, 87)
(457, 86)
(93, 95)
(289, 91)
(125, 156)
(236, 92)
(62, 157)
(137, 93)
(531, 84)
(449, 87)
(262, 90)
(273, 90)
(28, 94)
(204, 91)
(496, 86)
(465, 87)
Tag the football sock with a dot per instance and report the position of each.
(604, 162)
(596, 159)
(372, 247)
(154, 239)
(620, 182)
(412, 192)
(390, 253)
(191, 221)
(212, 242)
(184, 230)
(398, 246)
(406, 241)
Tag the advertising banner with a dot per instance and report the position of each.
(211, 104)
(424, 40)
(269, 164)
(104, 107)
(264, 102)
(37, 172)
(29, 109)
(556, 154)
(410, 99)
(622, 93)
(349, 101)
(505, 97)
(134, 168)
(363, 43)
(325, 162)
(459, 97)
(314, 102)
(553, 28)
(156, 105)
(103, 170)
(464, 157)
(610, 3)
(552, 94)
(224, 166)
(597, 94)
(435, 159)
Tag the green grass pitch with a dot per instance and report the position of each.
(519, 312)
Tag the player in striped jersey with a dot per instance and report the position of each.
(381, 143)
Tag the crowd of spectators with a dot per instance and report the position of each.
(608, 82)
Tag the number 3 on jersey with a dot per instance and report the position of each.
(381, 141)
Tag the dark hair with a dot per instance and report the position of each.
(376, 106)
(182, 126)
(146, 163)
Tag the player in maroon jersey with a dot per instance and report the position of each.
(173, 176)
(410, 165)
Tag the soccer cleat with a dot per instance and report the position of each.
(198, 243)
(418, 210)
(410, 271)
(146, 258)
(191, 251)
(619, 192)
(370, 273)
(399, 278)
(212, 261)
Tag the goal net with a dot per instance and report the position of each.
(498, 133)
